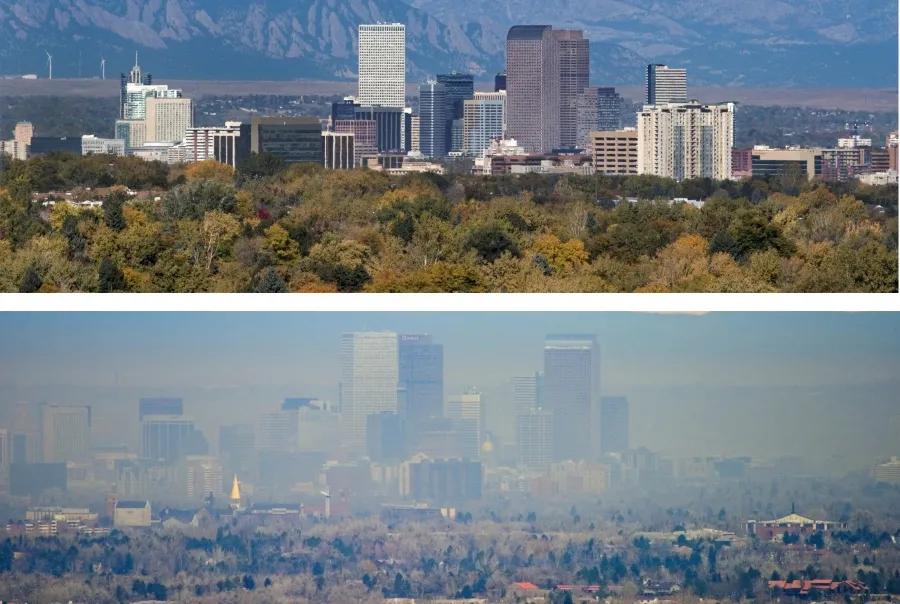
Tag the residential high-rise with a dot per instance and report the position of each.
(421, 372)
(686, 140)
(414, 134)
(500, 81)
(369, 381)
(203, 477)
(458, 87)
(571, 387)
(294, 139)
(23, 133)
(614, 424)
(533, 87)
(484, 119)
(65, 432)
(467, 412)
(339, 150)
(574, 77)
(665, 85)
(382, 65)
(228, 145)
(433, 119)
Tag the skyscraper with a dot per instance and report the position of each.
(613, 424)
(382, 65)
(528, 392)
(160, 405)
(484, 119)
(170, 438)
(5, 456)
(597, 110)
(421, 371)
(468, 415)
(534, 439)
(571, 385)
(65, 432)
(574, 77)
(459, 88)
(237, 448)
(533, 87)
(686, 140)
(432, 119)
(500, 81)
(369, 380)
(665, 84)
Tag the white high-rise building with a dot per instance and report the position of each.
(382, 65)
(168, 119)
(136, 96)
(686, 140)
(534, 439)
(370, 374)
(213, 142)
(484, 119)
(65, 432)
(665, 85)
(468, 413)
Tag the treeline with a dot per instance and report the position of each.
(274, 228)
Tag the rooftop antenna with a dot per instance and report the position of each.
(49, 65)
(102, 67)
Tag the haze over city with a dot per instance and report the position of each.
(754, 384)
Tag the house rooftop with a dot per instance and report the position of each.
(132, 505)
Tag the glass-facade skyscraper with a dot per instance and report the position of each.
(421, 379)
(369, 384)
(613, 424)
(571, 386)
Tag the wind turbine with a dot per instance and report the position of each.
(102, 67)
(50, 64)
(327, 503)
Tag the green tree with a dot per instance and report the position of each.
(31, 281)
(271, 283)
(111, 278)
(112, 211)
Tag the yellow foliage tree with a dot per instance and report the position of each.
(562, 257)
(219, 229)
(210, 170)
(683, 259)
(279, 240)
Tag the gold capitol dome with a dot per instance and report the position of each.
(236, 492)
(487, 447)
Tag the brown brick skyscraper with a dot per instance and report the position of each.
(574, 77)
(532, 87)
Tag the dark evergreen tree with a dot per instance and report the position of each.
(31, 281)
(271, 283)
(111, 277)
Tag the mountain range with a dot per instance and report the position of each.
(763, 43)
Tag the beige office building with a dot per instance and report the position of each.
(615, 152)
(168, 120)
(23, 133)
(414, 134)
(382, 65)
(65, 432)
(686, 140)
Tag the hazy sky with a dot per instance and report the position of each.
(177, 349)
(730, 383)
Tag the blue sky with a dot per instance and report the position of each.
(243, 349)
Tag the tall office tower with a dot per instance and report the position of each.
(365, 142)
(598, 109)
(571, 386)
(459, 88)
(386, 438)
(382, 65)
(421, 373)
(484, 119)
(613, 424)
(277, 432)
(343, 110)
(170, 438)
(532, 87)
(389, 125)
(467, 412)
(5, 456)
(686, 140)
(574, 77)
(528, 392)
(432, 119)
(369, 381)
(237, 448)
(168, 119)
(339, 150)
(500, 81)
(665, 85)
(293, 139)
(65, 432)
(534, 439)
(160, 405)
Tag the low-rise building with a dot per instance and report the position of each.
(131, 514)
(795, 524)
(615, 152)
(91, 144)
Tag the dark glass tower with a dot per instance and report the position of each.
(160, 406)
(421, 379)
(500, 81)
(459, 87)
(571, 385)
